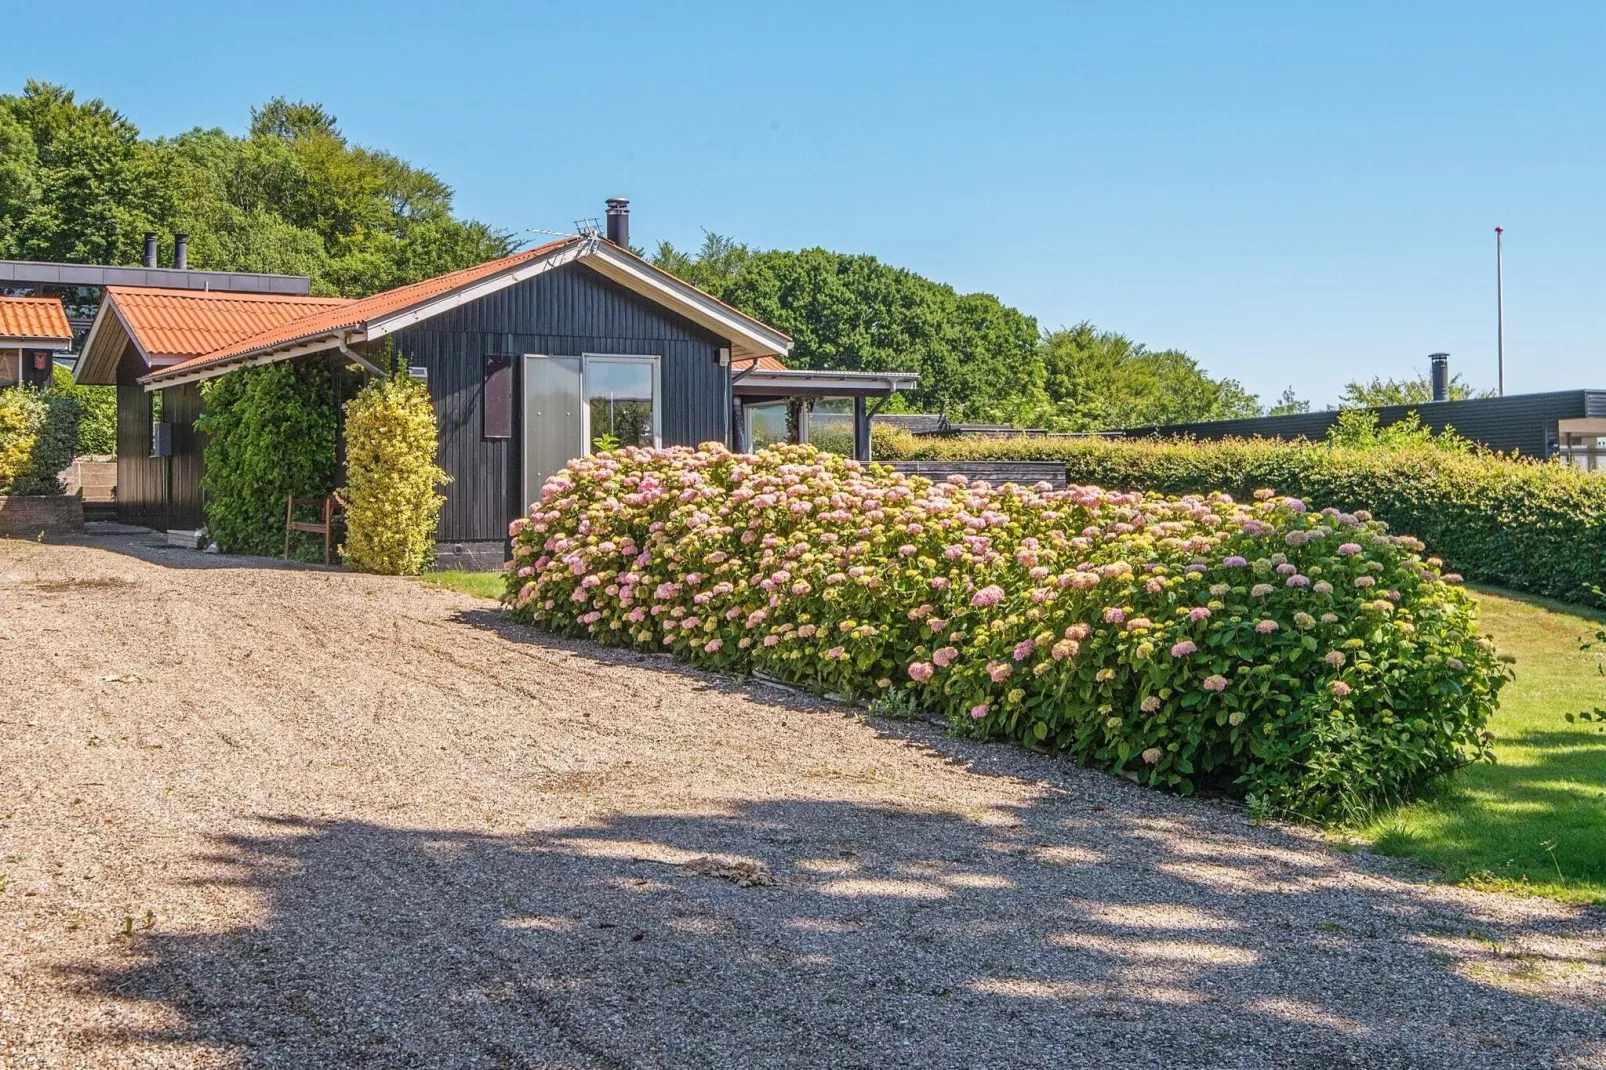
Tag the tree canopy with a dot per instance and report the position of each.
(978, 358)
(79, 184)
(1377, 392)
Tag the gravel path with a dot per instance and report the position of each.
(253, 816)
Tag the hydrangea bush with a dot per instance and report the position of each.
(1310, 661)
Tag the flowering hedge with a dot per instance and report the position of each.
(1309, 661)
(1536, 526)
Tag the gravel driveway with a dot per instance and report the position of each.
(253, 816)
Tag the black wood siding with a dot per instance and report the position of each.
(1522, 422)
(157, 492)
(564, 312)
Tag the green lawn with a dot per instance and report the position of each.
(1535, 821)
(478, 584)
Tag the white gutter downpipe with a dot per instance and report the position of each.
(357, 358)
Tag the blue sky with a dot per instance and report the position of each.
(1296, 194)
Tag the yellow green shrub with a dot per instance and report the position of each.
(392, 504)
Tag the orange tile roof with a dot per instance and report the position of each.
(34, 318)
(188, 323)
(354, 313)
(765, 363)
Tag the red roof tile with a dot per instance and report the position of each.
(765, 363)
(187, 323)
(354, 313)
(39, 319)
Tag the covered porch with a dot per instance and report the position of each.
(773, 403)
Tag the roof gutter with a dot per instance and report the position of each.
(358, 359)
(159, 380)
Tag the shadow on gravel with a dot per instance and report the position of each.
(1054, 935)
(152, 547)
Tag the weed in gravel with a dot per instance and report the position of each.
(897, 705)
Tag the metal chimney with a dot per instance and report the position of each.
(181, 251)
(1440, 369)
(619, 221)
(150, 248)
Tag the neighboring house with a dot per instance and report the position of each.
(32, 331)
(531, 360)
(1570, 424)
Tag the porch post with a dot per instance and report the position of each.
(861, 430)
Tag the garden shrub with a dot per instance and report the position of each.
(97, 426)
(38, 436)
(270, 434)
(390, 496)
(1310, 661)
(1530, 525)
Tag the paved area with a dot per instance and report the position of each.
(293, 817)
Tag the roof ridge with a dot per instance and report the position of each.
(222, 295)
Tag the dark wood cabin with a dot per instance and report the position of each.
(531, 361)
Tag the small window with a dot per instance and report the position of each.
(498, 396)
(161, 443)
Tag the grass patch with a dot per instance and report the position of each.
(478, 584)
(1535, 821)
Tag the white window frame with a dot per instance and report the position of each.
(622, 358)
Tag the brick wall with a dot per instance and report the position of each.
(28, 517)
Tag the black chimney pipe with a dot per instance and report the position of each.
(1440, 367)
(181, 251)
(150, 248)
(619, 221)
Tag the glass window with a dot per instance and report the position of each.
(10, 367)
(621, 402)
(766, 424)
(831, 425)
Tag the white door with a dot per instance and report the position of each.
(553, 419)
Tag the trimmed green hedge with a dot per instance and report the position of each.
(270, 434)
(1527, 525)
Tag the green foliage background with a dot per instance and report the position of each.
(271, 434)
(38, 436)
(1532, 526)
(79, 184)
(97, 425)
(391, 477)
(978, 359)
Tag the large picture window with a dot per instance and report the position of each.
(621, 396)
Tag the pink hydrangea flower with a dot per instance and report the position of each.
(1114, 615)
(1023, 649)
(1349, 548)
(1266, 626)
(999, 671)
(979, 710)
(1214, 683)
(921, 671)
(990, 595)
(1198, 613)
(1339, 688)
(1150, 703)
(944, 656)
(1184, 648)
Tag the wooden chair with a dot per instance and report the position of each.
(324, 528)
